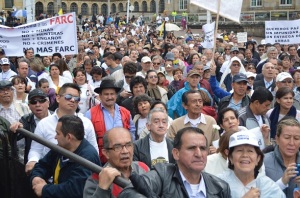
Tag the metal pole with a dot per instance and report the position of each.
(127, 18)
(120, 181)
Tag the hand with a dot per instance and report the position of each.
(176, 77)
(213, 68)
(14, 126)
(212, 150)
(107, 176)
(38, 187)
(289, 173)
(28, 88)
(125, 94)
(37, 180)
(265, 130)
(252, 193)
(29, 166)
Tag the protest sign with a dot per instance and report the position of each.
(45, 37)
(226, 8)
(283, 32)
(241, 37)
(209, 31)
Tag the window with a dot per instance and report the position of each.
(121, 8)
(182, 4)
(161, 6)
(113, 8)
(64, 7)
(9, 3)
(104, 9)
(152, 6)
(256, 3)
(136, 6)
(50, 8)
(39, 8)
(84, 9)
(286, 2)
(74, 8)
(94, 8)
(144, 6)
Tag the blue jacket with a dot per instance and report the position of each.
(72, 176)
(175, 103)
(218, 91)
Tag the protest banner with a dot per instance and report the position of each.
(283, 32)
(226, 8)
(241, 37)
(45, 37)
(209, 31)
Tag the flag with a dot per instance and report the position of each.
(228, 9)
(60, 12)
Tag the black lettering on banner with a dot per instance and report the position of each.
(44, 49)
(64, 48)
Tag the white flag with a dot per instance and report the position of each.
(209, 30)
(229, 9)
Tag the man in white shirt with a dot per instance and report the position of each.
(158, 20)
(6, 73)
(68, 98)
(158, 149)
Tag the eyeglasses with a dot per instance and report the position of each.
(151, 77)
(69, 97)
(234, 52)
(261, 50)
(6, 90)
(287, 81)
(227, 49)
(119, 147)
(129, 77)
(235, 65)
(35, 101)
(156, 63)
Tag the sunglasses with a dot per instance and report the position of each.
(235, 65)
(151, 77)
(35, 101)
(287, 81)
(69, 97)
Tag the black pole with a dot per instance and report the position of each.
(120, 181)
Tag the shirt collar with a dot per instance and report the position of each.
(37, 119)
(200, 119)
(201, 187)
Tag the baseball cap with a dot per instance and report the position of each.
(282, 76)
(250, 74)
(243, 137)
(146, 59)
(36, 93)
(234, 48)
(4, 61)
(5, 83)
(193, 72)
(91, 42)
(206, 67)
(90, 52)
(188, 39)
(239, 78)
(169, 56)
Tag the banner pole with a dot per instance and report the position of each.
(216, 29)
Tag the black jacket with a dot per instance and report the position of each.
(165, 181)
(261, 83)
(142, 151)
(224, 102)
(30, 125)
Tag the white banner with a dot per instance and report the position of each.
(283, 32)
(228, 9)
(209, 31)
(45, 37)
(241, 37)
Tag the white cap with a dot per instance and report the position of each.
(191, 45)
(243, 137)
(282, 76)
(250, 74)
(146, 59)
(4, 61)
(263, 42)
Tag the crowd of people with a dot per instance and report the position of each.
(173, 118)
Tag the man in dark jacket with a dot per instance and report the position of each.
(68, 177)
(238, 98)
(155, 147)
(169, 180)
(38, 103)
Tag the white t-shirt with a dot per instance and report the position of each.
(86, 92)
(159, 152)
(141, 125)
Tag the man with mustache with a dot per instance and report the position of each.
(108, 114)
